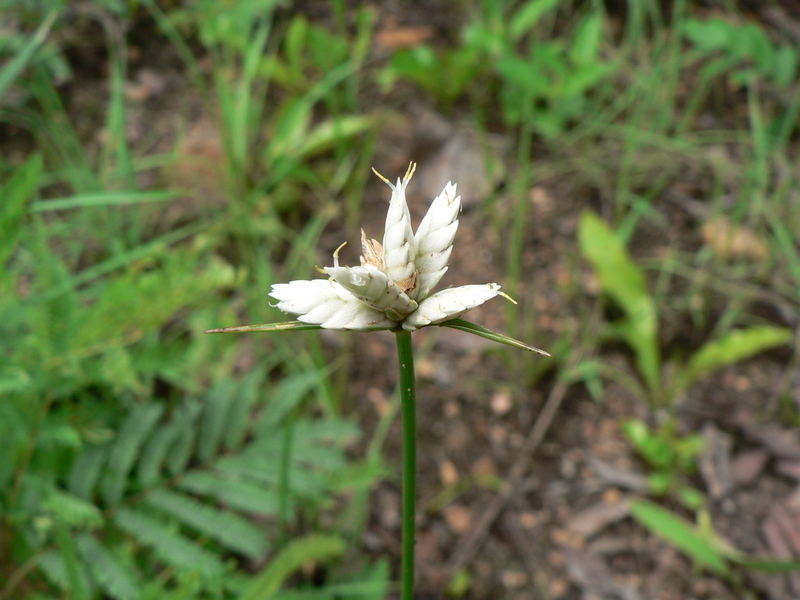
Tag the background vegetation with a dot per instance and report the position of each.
(142, 459)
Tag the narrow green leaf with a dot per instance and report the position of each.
(288, 325)
(17, 191)
(102, 199)
(731, 348)
(228, 528)
(125, 450)
(328, 134)
(463, 325)
(682, 534)
(12, 70)
(527, 16)
(108, 571)
(768, 564)
(314, 548)
(169, 545)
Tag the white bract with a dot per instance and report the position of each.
(392, 286)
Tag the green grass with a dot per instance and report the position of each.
(102, 303)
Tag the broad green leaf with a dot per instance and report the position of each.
(585, 47)
(622, 279)
(314, 548)
(682, 534)
(731, 348)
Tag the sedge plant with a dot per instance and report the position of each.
(391, 290)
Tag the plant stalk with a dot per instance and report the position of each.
(405, 358)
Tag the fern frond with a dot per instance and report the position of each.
(54, 567)
(111, 575)
(237, 493)
(154, 454)
(240, 413)
(168, 544)
(215, 418)
(293, 556)
(72, 510)
(228, 528)
(264, 468)
(131, 437)
(181, 451)
(79, 583)
(289, 393)
(86, 471)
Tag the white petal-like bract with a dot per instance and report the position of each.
(399, 247)
(434, 239)
(371, 285)
(449, 304)
(326, 303)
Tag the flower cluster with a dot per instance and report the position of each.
(392, 287)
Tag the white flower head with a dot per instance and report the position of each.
(392, 286)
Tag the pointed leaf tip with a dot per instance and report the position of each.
(483, 332)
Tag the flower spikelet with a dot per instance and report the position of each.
(373, 286)
(450, 304)
(399, 247)
(434, 239)
(325, 303)
(392, 286)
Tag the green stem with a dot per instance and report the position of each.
(405, 358)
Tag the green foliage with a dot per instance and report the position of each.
(293, 556)
(625, 284)
(24, 51)
(742, 49)
(703, 547)
(670, 456)
(545, 87)
(707, 548)
(106, 530)
(730, 348)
